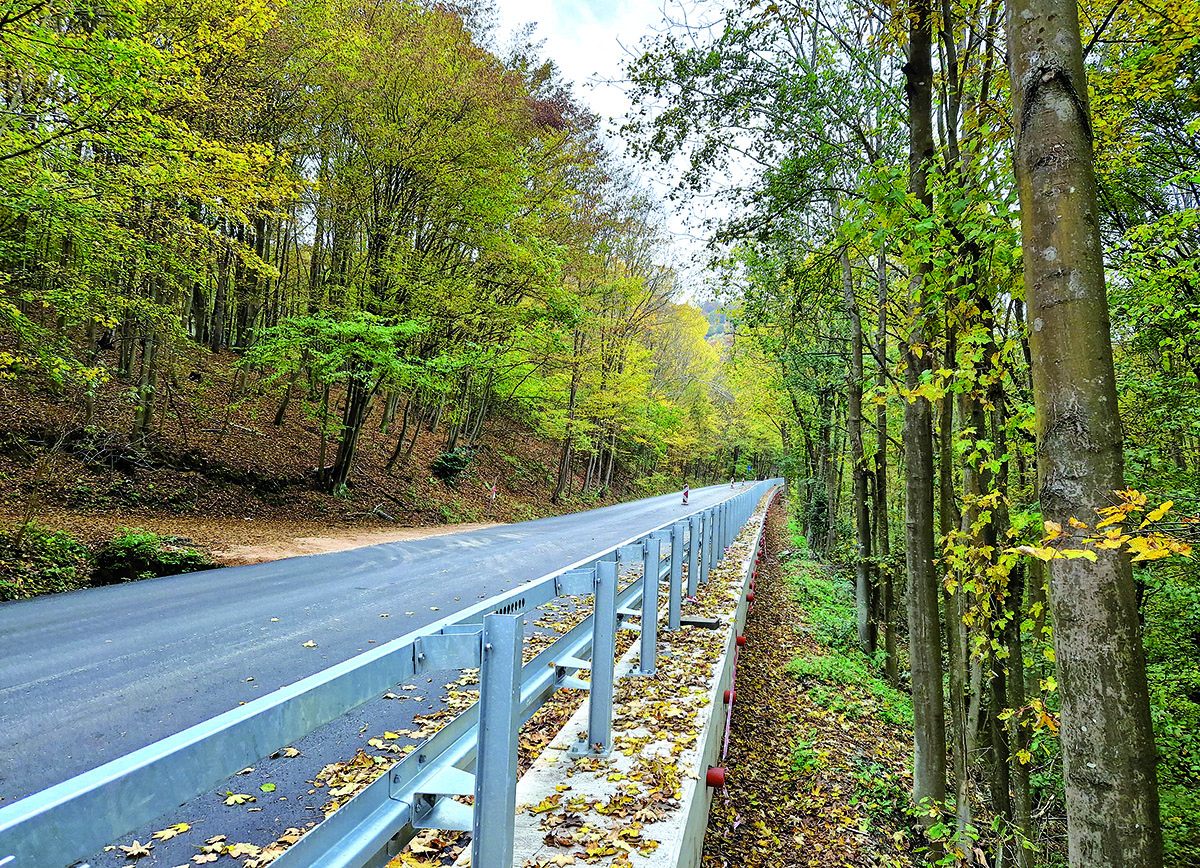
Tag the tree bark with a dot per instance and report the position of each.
(924, 627)
(863, 589)
(1107, 741)
(884, 543)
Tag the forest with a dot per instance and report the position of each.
(370, 213)
(953, 247)
(922, 207)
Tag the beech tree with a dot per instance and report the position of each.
(1108, 743)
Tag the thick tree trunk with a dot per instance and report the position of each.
(924, 627)
(1107, 741)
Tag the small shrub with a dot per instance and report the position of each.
(139, 554)
(448, 465)
(41, 562)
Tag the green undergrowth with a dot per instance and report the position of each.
(843, 679)
(140, 554)
(36, 561)
(845, 682)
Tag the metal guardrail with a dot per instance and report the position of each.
(474, 754)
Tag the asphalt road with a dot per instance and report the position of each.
(88, 676)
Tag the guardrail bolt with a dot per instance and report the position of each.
(715, 777)
(750, 597)
(741, 641)
(730, 696)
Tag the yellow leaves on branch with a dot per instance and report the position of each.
(1151, 546)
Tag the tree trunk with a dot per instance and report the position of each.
(391, 462)
(564, 457)
(863, 601)
(358, 402)
(884, 543)
(924, 627)
(216, 332)
(1107, 741)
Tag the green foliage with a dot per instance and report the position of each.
(139, 554)
(844, 681)
(805, 758)
(41, 562)
(449, 465)
(1172, 640)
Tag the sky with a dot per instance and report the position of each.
(591, 41)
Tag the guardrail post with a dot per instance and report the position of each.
(648, 653)
(676, 588)
(709, 548)
(604, 650)
(693, 555)
(723, 530)
(494, 817)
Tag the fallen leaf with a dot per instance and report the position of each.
(135, 850)
(171, 831)
(246, 770)
(433, 608)
(201, 858)
(238, 798)
(267, 788)
(237, 850)
(309, 644)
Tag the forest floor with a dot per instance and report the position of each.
(218, 473)
(820, 748)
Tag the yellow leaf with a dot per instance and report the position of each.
(1157, 514)
(1052, 527)
(136, 850)
(1042, 553)
(171, 831)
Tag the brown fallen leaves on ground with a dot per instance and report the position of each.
(806, 786)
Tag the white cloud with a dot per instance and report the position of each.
(585, 39)
(591, 41)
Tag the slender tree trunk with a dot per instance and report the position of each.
(358, 403)
(217, 329)
(564, 457)
(924, 626)
(1107, 740)
(391, 462)
(863, 596)
(884, 543)
(281, 413)
(323, 414)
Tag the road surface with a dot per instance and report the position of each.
(94, 674)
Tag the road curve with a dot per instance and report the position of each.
(91, 675)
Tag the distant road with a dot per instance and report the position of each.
(90, 675)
